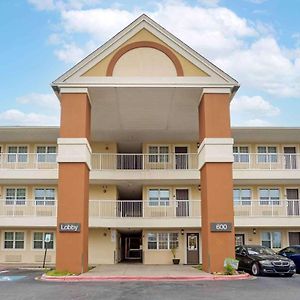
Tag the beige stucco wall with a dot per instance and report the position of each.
(100, 68)
(28, 255)
(102, 246)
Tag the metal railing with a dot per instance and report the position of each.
(267, 208)
(145, 209)
(28, 161)
(144, 161)
(261, 161)
(27, 208)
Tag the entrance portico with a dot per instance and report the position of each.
(145, 85)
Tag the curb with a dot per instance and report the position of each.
(79, 278)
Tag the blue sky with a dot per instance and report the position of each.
(255, 41)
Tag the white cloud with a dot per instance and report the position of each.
(257, 122)
(16, 117)
(247, 50)
(44, 101)
(254, 106)
(62, 4)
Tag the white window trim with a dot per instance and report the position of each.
(15, 187)
(18, 145)
(269, 188)
(271, 232)
(43, 231)
(44, 187)
(244, 188)
(158, 161)
(277, 146)
(249, 152)
(157, 240)
(13, 249)
(159, 188)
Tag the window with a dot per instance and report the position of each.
(13, 240)
(158, 154)
(267, 154)
(44, 196)
(159, 197)
(269, 196)
(39, 240)
(46, 153)
(242, 196)
(15, 196)
(241, 154)
(162, 241)
(17, 154)
(271, 239)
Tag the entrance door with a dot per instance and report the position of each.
(294, 238)
(133, 249)
(239, 239)
(182, 203)
(290, 157)
(181, 158)
(192, 248)
(293, 208)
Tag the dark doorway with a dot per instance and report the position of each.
(131, 246)
(181, 158)
(293, 208)
(294, 238)
(239, 239)
(192, 248)
(182, 203)
(290, 157)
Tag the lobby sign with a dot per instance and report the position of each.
(221, 227)
(69, 227)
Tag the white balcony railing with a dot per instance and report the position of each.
(266, 208)
(261, 161)
(113, 209)
(28, 161)
(144, 209)
(142, 161)
(26, 208)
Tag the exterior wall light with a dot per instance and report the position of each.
(254, 230)
(182, 232)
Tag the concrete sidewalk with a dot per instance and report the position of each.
(140, 272)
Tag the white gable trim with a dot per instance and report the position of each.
(143, 22)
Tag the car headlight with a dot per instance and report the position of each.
(292, 264)
(266, 263)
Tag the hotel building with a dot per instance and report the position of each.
(145, 160)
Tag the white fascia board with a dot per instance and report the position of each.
(74, 150)
(214, 150)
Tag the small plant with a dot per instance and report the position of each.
(230, 266)
(58, 273)
(229, 270)
(173, 250)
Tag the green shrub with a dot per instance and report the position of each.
(58, 273)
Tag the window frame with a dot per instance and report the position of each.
(271, 239)
(269, 201)
(158, 155)
(15, 199)
(43, 241)
(44, 200)
(159, 201)
(46, 153)
(157, 233)
(14, 240)
(268, 155)
(17, 154)
(239, 154)
(241, 201)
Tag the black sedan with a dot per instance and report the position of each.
(293, 253)
(262, 260)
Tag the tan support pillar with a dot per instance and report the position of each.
(215, 158)
(73, 185)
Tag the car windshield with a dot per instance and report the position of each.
(257, 250)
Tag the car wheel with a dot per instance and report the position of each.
(255, 269)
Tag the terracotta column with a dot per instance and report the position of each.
(215, 159)
(73, 185)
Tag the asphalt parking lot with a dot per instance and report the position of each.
(21, 284)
